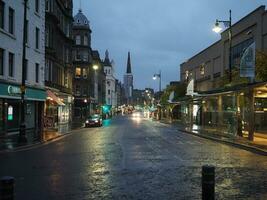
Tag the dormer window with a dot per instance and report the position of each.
(85, 22)
(78, 21)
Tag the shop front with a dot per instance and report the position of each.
(237, 111)
(58, 111)
(10, 112)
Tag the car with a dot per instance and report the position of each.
(94, 120)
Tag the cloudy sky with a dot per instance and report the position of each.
(160, 34)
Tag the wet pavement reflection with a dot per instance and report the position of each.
(130, 158)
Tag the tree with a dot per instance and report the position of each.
(261, 66)
(178, 89)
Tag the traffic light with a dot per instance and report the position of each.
(106, 109)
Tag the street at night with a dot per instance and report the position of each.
(132, 158)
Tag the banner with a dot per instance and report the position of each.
(247, 62)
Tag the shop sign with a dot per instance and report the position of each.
(13, 90)
(247, 63)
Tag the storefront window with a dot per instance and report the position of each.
(1, 117)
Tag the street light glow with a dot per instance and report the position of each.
(154, 77)
(217, 28)
(95, 67)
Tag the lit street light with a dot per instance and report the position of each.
(95, 67)
(217, 29)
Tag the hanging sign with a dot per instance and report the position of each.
(247, 63)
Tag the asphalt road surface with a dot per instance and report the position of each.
(133, 159)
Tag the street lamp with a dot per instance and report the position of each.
(159, 77)
(22, 129)
(95, 68)
(217, 29)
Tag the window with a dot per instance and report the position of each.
(78, 90)
(78, 55)
(11, 64)
(108, 92)
(11, 21)
(85, 40)
(78, 39)
(78, 72)
(84, 73)
(27, 31)
(202, 69)
(36, 72)
(2, 14)
(47, 5)
(37, 6)
(37, 36)
(84, 91)
(67, 55)
(47, 36)
(1, 61)
(26, 69)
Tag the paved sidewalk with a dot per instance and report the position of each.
(9, 143)
(259, 145)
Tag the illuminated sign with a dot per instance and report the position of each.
(10, 113)
(13, 90)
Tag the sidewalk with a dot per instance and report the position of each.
(10, 142)
(259, 145)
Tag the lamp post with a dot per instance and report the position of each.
(95, 68)
(22, 129)
(217, 29)
(159, 77)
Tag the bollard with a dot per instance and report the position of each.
(7, 188)
(208, 182)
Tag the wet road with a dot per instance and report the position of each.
(131, 159)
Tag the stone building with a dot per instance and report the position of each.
(11, 48)
(82, 61)
(236, 108)
(111, 98)
(128, 81)
(58, 63)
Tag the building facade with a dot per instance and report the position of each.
(128, 82)
(111, 97)
(83, 81)
(11, 48)
(58, 63)
(236, 108)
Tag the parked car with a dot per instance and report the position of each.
(94, 120)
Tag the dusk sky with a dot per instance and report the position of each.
(160, 34)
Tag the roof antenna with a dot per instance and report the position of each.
(80, 9)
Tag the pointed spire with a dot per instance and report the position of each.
(106, 55)
(129, 67)
(107, 61)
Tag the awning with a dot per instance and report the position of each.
(53, 97)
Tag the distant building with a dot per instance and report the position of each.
(128, 81)
(111, 98)
(119, 92)
(138, 97)
(83, 87)
(11, 47)
(58, 63)
(101, 79)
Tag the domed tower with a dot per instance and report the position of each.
(82, 62)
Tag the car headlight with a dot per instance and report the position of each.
(86, 121)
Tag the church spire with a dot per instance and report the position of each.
(129, 68)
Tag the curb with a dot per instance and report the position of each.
(252, 149)
(40, 143)
(238, 145)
